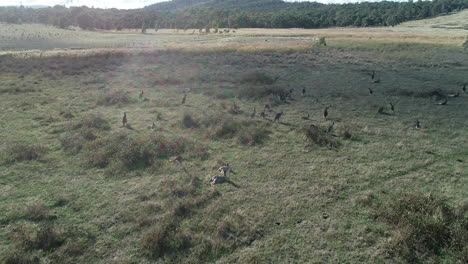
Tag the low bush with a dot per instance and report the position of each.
(247, 132)
(318, 136)
(253, 135)
(123, 152)
(189, 122)
(258, 92)
(258, 78)
(113, 98)
(83, 131)
(21, 151)
(37, 212)
(424, 226)
(92, 121)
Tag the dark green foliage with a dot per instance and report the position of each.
(234, 14)
(424, 226)
(21, 151)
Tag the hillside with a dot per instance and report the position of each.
(457, 21)
(245, 5)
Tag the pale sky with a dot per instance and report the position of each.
(122, 4)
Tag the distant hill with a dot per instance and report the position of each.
(244, 5)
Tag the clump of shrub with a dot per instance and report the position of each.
(257, 77)
(318, 136)
(32, 242)
(435, 93)
(258, 92)
(21, 151)
(164, 239)
(189, 122)
(253, 135)
(322, 41)
(424, 226)
(113, 98)
(167, 80)
(247, 132)
(83, 131)
(37, 212)
(124, 151)
(43, 236)
(92, 121)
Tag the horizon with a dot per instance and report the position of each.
(136, 4)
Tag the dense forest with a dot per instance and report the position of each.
(183, 14)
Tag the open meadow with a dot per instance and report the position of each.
(362, 185)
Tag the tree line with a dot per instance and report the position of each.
(302, 15)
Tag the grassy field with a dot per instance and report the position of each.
(77, 187)
(445, 30)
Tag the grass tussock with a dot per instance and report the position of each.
(166, 238)
(258, 92)
(182, 232)
(167, 80)
(16, 90)
(92, 121)
(435, 93)
(37, 212)
(21, 151)
(246, 132)
(257, 77)
(30, 241)
(315, 135)
(189, 122)
(83, 131)
(114, 98)
(122, 152)
(424, 227)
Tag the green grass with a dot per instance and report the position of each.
(298, 202)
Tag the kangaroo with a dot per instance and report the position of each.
(416, 125)
(124, 120)
(185, 98)
(225, 169)
(278, 116)
(221, 180)
(253, 113)
(392, 107)
(325, 113)
(152, 127)
(330, 128)
(141, 94)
